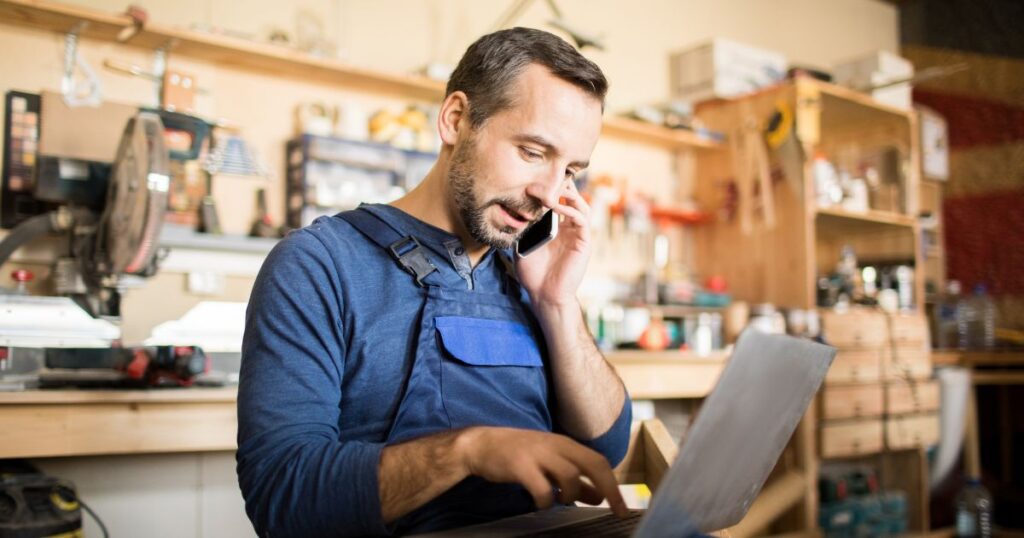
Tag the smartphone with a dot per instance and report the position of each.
(538, 234)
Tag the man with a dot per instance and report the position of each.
(400, 373)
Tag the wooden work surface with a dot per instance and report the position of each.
(953, 357)
(47, 423)
(668, 374)
(44, 423)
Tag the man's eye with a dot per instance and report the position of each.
(530, 155)
(569, 174)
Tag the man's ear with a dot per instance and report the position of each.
(453, 117)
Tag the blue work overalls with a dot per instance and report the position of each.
(480, 359)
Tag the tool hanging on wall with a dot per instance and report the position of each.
(753, 173)
(781, 137)
(87, 92)
(174, 90)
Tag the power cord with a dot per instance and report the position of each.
(95, 518)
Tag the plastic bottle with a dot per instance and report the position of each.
(974, 510)
(827, 191)
(946, 315)
(976, 320)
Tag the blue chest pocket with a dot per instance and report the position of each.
(492, 373)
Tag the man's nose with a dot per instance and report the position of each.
(547, 190)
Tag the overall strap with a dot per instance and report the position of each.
(406, 250)
(511, 280)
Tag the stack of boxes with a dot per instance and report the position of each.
(879, 392)
(889, 73)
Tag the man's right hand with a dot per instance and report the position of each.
(414, 472)
(540, 461)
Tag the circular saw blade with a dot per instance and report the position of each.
(136, 197)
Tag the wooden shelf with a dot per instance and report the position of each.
(865, 219)
(220, 49)
(650, 375)
(281, 61)
(668, 356)
(78, 396)
(47, 423)
(843, 106)
(630, 129)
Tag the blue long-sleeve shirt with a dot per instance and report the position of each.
(329, 340)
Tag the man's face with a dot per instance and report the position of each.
(505, 174)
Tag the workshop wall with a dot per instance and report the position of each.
(400, 36)
(984, 226)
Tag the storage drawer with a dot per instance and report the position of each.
(919, 397)
(851, 401)
(914, 362)
(858, 329)
(910, 329)
(855, 366)
(910, 431)
(851, 438)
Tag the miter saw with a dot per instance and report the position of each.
(75, 338)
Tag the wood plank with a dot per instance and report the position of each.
(659, 452)
(851, 401)
(220, 49)
(912, 431)
(631, 129)
(997, 377)
(851, 438)
(903, 398)
(953, 357)
(44, 430)
(855, 366)
(780, 495)
(870, 220)
(280, 61)
(660, 378)
(60, 396)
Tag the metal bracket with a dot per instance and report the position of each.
(74, 93)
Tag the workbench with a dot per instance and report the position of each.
(46, 423)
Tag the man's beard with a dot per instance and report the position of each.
(472, 212)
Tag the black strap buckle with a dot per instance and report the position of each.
(413, 257)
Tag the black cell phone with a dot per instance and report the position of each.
(537, 234)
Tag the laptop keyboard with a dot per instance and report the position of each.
(600, 527)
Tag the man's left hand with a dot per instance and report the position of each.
(552, 273)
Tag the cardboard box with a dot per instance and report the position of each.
(874, 69)
(722, 68)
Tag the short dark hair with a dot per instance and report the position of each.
(492, 63)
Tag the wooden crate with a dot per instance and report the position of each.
(855, 366)
(910, 431)
(851, 401)
(907, 362)
(909, 329)
(851, 438)
(912, 397)
(855, 329)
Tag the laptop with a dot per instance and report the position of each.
(739, 433)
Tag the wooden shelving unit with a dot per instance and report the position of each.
(284, 62)
(780, 262)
